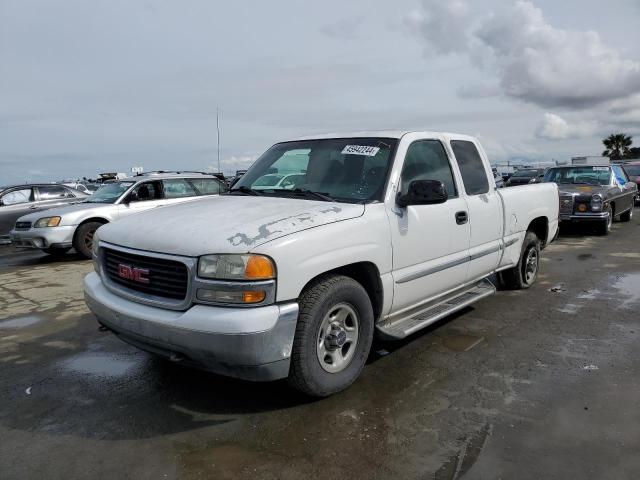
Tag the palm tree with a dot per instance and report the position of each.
(617, 146)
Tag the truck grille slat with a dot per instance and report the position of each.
(166, 278)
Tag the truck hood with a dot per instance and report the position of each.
(67, 212)
(224, 224)
(580, 189)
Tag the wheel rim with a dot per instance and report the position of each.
(337, 338)
(88, 239)
(531, 266)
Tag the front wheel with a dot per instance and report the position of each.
(605, 226)
(333, 336)
(524, 274)
(83, 239)
(627, 216)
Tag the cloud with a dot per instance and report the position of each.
(554, 127)
(535, 61)
(443, 25)
(231, 164)
(343, 29)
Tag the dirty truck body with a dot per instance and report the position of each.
(391, 232)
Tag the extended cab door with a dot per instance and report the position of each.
(484, 207)
(430, 242)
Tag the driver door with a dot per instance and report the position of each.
(430, 242)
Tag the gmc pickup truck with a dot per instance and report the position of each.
(381, 233)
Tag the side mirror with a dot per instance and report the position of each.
(423, 192)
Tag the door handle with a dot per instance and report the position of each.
(33, 207)
(462, 218)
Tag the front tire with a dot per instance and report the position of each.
(605, 226)
(627, 216)
(333, 336)
(525, 273)
(83, 239)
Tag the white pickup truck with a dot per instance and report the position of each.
(380, 233)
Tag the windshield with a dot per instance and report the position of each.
(588, 175)
(632, 170)
(527, 173)
(342, 169)
(109, 192)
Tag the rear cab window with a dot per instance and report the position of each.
(474, 174)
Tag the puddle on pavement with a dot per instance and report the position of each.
(629, 286)
(20, 322)
(461, 342)
(102, 365)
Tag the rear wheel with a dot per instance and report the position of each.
(333, 336)
(83, 239)
(524, 274)
(627, 216)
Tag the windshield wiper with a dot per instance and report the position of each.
(245, 190)
(302, 191)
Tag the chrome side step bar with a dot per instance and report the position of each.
(440, 308)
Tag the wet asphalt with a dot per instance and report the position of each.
(543, 383)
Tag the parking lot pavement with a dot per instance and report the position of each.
(526, 384)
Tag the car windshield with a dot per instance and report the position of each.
(349, 170)
(584, 175)
(632, 170)
(527, 173)
(109, 192)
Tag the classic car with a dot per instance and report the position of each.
(632, 170)
(594, 193)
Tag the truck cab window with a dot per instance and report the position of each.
(474, 175)
(427, 160)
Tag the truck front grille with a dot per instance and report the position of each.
(157, 277)
(566, 204)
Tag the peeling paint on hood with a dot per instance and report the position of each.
(225, 224)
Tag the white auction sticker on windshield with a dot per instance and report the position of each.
(360, 150)
(600, 169)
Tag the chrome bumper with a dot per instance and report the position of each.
(47, 237)
(248, 343)
(591, 216)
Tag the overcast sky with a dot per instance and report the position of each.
(89, 86)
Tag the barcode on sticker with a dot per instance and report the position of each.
(360, 150)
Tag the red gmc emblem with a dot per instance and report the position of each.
(127, 272)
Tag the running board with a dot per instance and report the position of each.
(405, 326)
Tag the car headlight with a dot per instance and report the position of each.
(236, 267)
(47, 222)
(596, 203)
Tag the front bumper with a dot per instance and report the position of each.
(46, 237)
(585, 217)
(248, 343)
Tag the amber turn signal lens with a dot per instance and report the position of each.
(582, 207)
(253, 296)
(259, 268)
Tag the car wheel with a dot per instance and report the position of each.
(605, 226)
(56, 252)
(524, 274)
(83, 239)
(333, 336)
(627, 216)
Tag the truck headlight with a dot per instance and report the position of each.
(236, 280)
(596, 203)
(47, 222)
(236, 267)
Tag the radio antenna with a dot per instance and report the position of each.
(218, 131)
